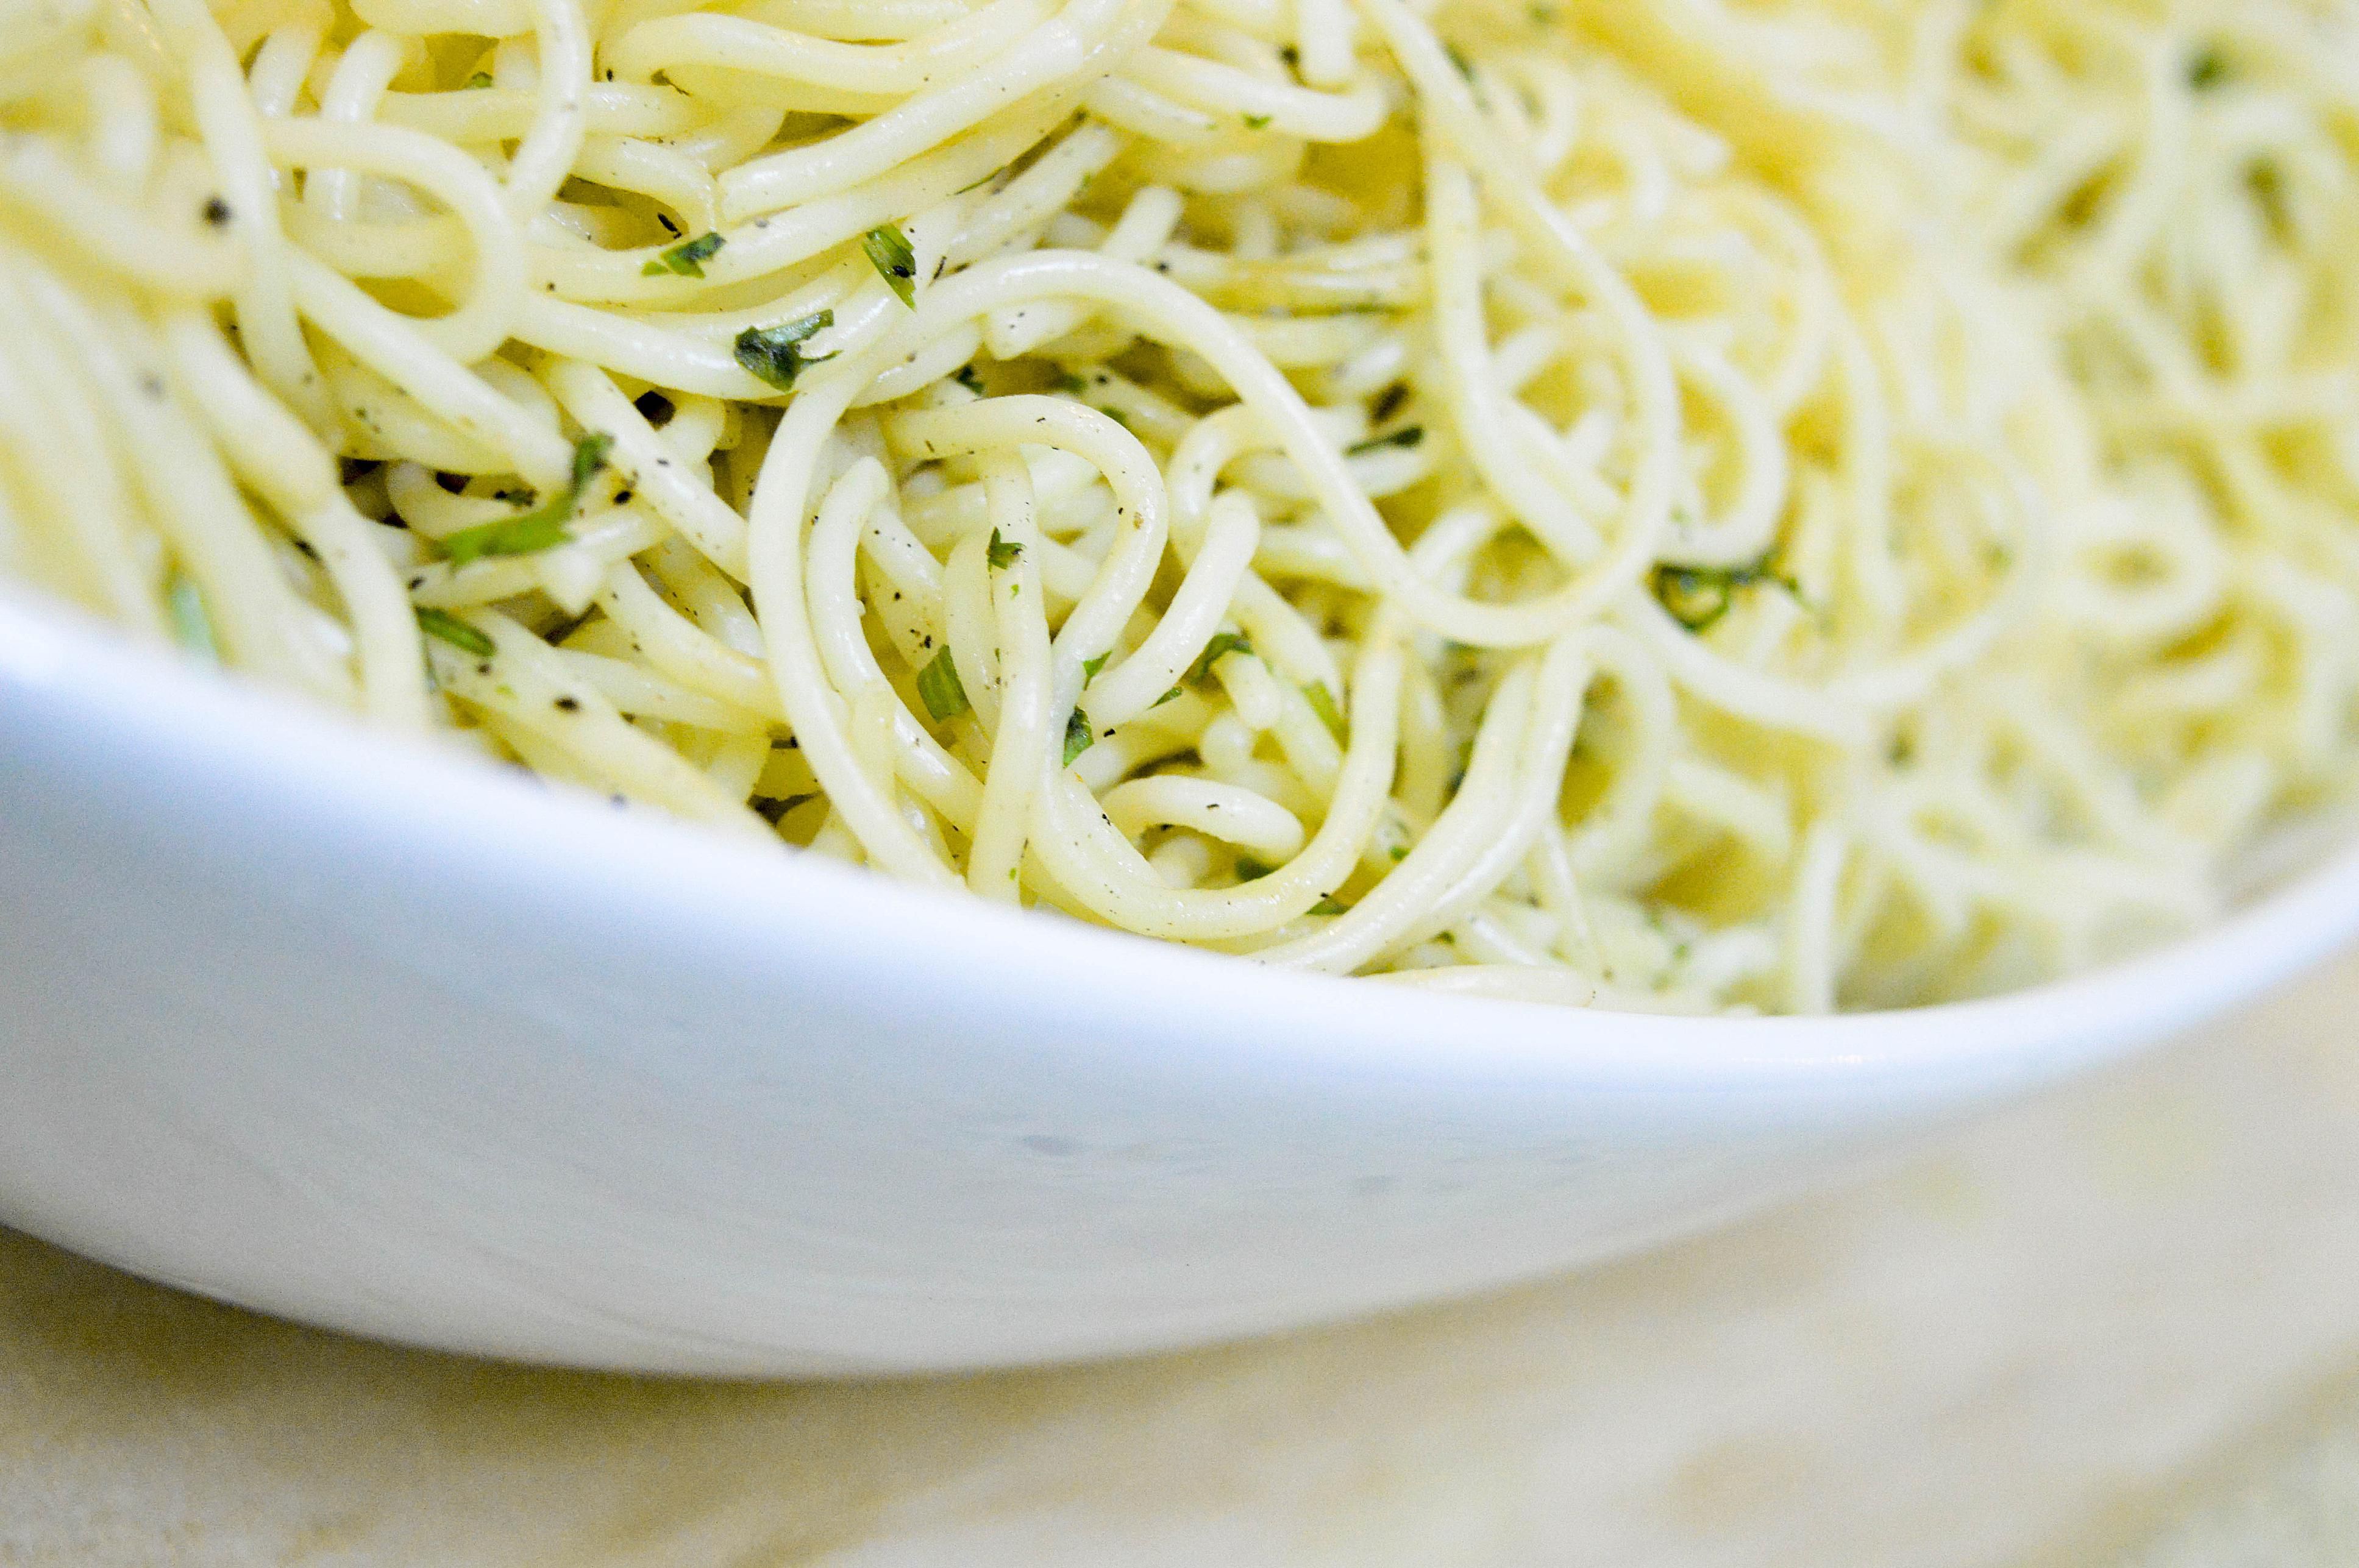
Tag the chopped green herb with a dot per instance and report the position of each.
(1078, 738)
(192, 628)
(1330, 905)
(977, 185)
(1252, 870)
(1223, 644)
(1001, 553)
(1465, 67)
(1117, 415)
(1399, 852)
(526, 536)
(1407, 436)
(539, 529)
(889, 252)
(1256, 122)
(480, 79)
(1322, 703)
(686, 258)
(1090, 668)
(775, 354)
(1168, 697)
(939, 688)
(1698, 597)
(965, 375)
(1071, 382)
(457, 633)
(2206, 69)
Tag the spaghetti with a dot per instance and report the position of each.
(1645, 504)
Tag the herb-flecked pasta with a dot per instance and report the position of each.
(1644, 504)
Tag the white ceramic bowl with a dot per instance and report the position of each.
(357, 1033)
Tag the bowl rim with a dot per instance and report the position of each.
(75, 680)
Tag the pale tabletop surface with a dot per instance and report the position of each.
(2119, 1324)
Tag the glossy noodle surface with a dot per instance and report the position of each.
(1643, 503)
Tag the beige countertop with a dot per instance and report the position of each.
(2119, 1324)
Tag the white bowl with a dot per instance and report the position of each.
(355, 1032)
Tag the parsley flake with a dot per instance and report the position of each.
(1322, 703)
(939, 688)
(889, 252)
(1001, 553)
(442, 624)
(687, 258)
(1223, 644)
(774, 354)
(1078, 738)
(193, 627)
(1696, 597)
(541, 528)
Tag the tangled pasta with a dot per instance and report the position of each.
(1646, 503)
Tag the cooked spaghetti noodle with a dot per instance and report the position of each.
(1662, 503)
